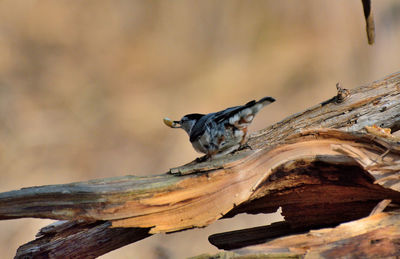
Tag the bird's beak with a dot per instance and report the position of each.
(171, 124)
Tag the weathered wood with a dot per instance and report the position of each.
(259, 235)
(377, 103)
(376, 236)
(251, 236)
(380, 207)
(169, 203)
(322, 166)
(67, 240)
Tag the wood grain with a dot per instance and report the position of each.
(329, 164)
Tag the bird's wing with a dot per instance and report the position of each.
(253, 105)
(199, 127)
(218, 117)
(227, 113)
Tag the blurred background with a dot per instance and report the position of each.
(84, 86)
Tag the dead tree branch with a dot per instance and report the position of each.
(323, 166)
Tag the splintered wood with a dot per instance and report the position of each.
(330, 164)
(376, 236)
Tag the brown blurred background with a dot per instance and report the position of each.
(84, 86)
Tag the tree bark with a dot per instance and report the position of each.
(326, 165)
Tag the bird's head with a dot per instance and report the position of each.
(187, 122)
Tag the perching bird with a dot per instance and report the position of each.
(220, 133)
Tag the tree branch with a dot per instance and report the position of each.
(79, 239)
(376, 236)
(325, 165)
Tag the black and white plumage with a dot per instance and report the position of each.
(220, 133)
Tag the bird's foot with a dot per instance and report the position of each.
(202, 159)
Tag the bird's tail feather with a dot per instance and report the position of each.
(257, 106)
(244, 115)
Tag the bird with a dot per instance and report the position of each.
(220, 133)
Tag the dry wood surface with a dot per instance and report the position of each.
(329, 164)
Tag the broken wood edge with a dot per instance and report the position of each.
(259, 168)
(380, 207)
(360, 238)
(377, 235)
(372, 165)
(236, 239)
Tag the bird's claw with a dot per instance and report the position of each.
(201, 159)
